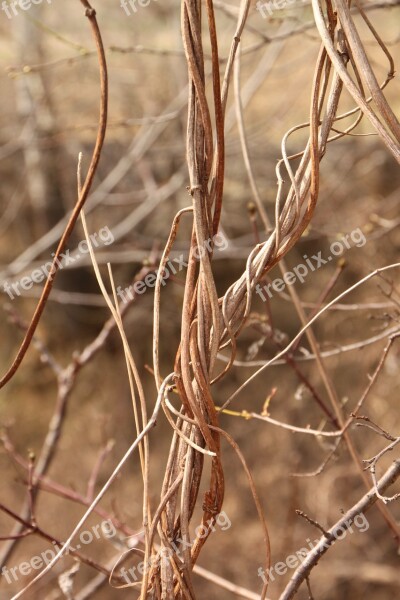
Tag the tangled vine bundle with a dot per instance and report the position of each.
(193, 482)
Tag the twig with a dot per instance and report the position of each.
(91, 14)
(334, 532)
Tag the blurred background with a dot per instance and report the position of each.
(50, 97)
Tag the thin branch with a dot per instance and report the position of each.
(337, 530)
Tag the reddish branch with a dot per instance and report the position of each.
(91, 15)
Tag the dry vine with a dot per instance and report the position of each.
(209, 323)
